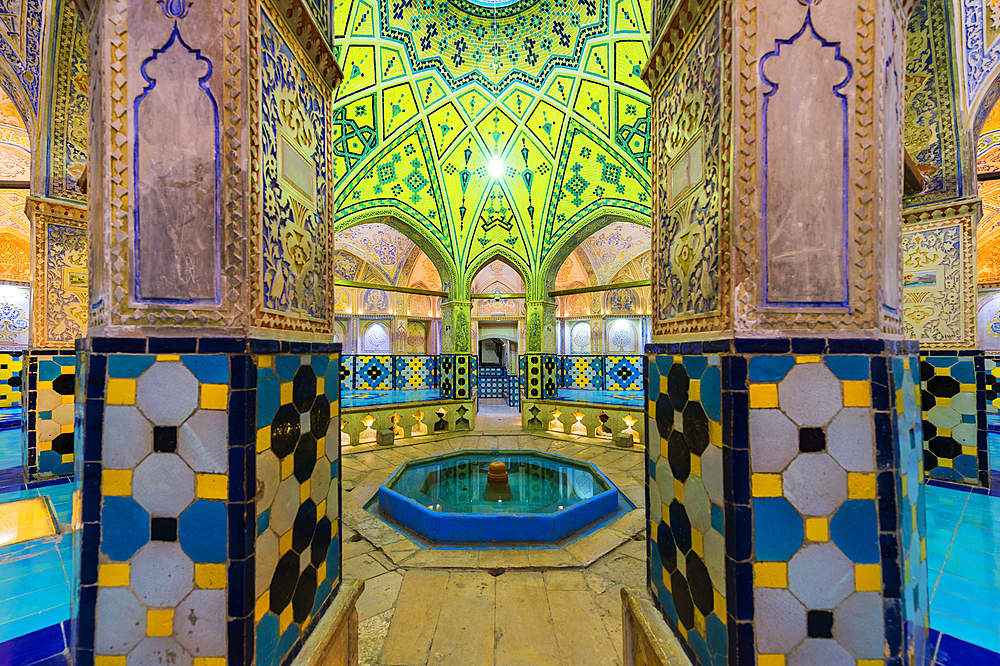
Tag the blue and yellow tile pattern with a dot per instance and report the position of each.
(373, 373)
(48, 436)
(415, 373)
(11, 380)
(623, 373)
(297, 543)
(954, 394)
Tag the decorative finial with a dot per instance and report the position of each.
(174, 9)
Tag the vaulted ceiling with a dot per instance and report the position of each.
(486, 129)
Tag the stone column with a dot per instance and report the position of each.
(458, 359)
(785, 501)
(208, 385)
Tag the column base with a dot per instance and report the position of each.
(785, 499)
(210, 475)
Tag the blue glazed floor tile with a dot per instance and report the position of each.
(961, 608)
(961, 587)
(44, 646)
(973, 649)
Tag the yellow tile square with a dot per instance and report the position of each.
(263, 439)
(697, 543)
(766, 485)
(942, 402)
(696, 465)
(109, 660)
(715, 433)
(286, 393)
(321, 571)
(678, 491)
(969, 450)
(167, 357)
(287, 467)
(694, 390)
(213, 486)
(868, 577)
(763, 396)
(117, 482)
(967, 388)
(770, 574)
(321, 511)
(807, 359)
(264, 361)
(857, 393)
(320, 385)
(209, 661)
(860, 485)
(214, 396)
(817, 529)
(285, 619)
(304, 491)
(260, 608)
(285, 542)
(720, 605)
(942, 372)
(66, 427)
(771, 660)
(945, 462)
(320, 447)
(210, 576)
(870, 662)
(113, 575)
(160, 622)
(67, 457)
(121, 391)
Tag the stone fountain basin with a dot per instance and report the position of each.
(554, 497)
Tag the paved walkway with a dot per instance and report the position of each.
(492, 606)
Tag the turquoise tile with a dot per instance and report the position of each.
(961, 587)
(852, 368)
(210, 369)
(129, 366)
(25, 625)
(770, 368)
(976, 573)
(968, 609)
(966, 631)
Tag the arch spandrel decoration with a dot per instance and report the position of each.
(419, 121)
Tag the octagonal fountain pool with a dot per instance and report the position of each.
(497, 496)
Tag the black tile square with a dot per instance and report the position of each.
(820, 624)
(812, 440)
(163, 529)
(165, 439)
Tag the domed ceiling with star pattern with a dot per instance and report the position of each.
(480, 128)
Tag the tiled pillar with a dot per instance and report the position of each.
(456, 322)
(939, 311)
(785, 501)
(208, 383)
(58, 316)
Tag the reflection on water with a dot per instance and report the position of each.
(538, 484)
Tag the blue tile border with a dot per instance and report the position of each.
(44, 646)
(950, 651)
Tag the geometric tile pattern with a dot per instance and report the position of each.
(297, 544)
(623, 373)
(954, 420)
(416, 372)
(806, 507)
(817, 573)
(172, 466)
(582, 372)
(347, 372)
(540, 375)
(48, 428)
(991, 372)
(162, 572)
(687, 556)
(11, 365)
(374, 373)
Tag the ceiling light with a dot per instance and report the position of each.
(495, 168)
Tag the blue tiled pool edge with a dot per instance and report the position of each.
(48, 646)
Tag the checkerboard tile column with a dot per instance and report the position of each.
(48, 427)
